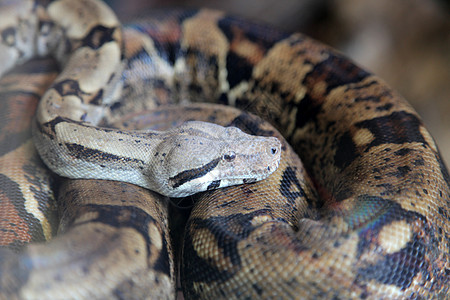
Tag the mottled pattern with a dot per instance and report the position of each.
(86, 39)
(361, 213)
(28, 209)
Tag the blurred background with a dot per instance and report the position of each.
(405, 42)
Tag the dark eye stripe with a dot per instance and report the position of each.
(188, 175)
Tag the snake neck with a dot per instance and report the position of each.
(74, 150)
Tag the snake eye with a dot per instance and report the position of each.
(230, 156)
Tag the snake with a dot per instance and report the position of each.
(331, 188)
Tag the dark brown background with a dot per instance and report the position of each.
(407, 43)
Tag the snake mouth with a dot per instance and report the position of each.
(245, 178)
(253, 176)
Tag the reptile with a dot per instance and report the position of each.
(362, 214)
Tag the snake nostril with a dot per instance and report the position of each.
(273, 150)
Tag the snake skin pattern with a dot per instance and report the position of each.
(357, 209)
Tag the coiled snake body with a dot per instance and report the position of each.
(365, 217)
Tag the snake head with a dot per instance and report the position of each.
(199, 156)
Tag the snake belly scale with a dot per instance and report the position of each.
(363, 215)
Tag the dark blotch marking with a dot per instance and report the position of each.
(397, 128)
(98, 36)
(365, 86)
(385, 107)
(68, 87)
(387, 187)
(250, 124)
(307, 111)
(290, 187)
(373, 99)
(228, 232)
(98, 98)
(373, 214)
(403, 152)
(116, 106)
(168, 48)
(397, 268)
(336, 71)
(265, 36)
(402, 171)
(43, 196)
(52, 125)
(346, 151)
(344, 192)
(127, 216)
(259, 290)
(162, 264)
(239, 69)
(443, 212)
(10, 190)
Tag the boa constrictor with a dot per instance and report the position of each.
(365, 214)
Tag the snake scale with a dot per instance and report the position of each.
(358, 207)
